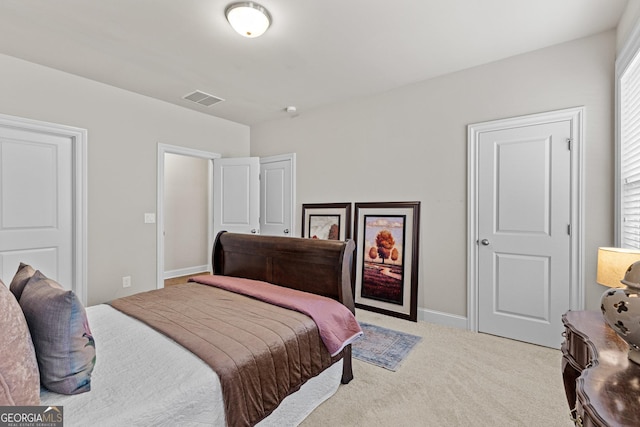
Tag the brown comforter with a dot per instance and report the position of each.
(261, 352)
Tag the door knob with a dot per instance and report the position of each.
(254, 231)
(485, 242)
(286, 231)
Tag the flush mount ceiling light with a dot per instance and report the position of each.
(249, 19)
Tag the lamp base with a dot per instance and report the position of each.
(621, 310)
(634, 355)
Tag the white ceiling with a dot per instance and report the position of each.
(317, 52)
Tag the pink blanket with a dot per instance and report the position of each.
(337, 325)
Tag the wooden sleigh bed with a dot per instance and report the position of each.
(321, 267)
(144, 377)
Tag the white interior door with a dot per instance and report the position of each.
(524, 217)
(277, 194)
(36, 204)
(236, 204)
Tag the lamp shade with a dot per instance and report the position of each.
(249, 19)
(613, 264)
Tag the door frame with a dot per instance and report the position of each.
(78, 138)
(576, 117)
(190, 152)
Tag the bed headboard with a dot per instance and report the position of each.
(321, 267)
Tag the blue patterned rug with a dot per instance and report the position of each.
(383, 347)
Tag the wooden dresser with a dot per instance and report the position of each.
(601, 383)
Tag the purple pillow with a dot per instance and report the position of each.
(59, 327)
(19, 377)
(24, 273)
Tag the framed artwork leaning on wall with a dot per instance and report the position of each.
(386, 267)
(329, 221)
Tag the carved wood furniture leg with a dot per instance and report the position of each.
(347, 370)
(569, 377)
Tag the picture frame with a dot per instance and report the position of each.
(387, 255)
(330, 221)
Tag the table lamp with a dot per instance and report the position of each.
(619, 270)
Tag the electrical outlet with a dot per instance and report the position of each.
(126, 282)
(149, 218)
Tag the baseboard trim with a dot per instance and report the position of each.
(440, 318)
(185, 271)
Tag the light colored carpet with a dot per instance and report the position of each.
(452, 377)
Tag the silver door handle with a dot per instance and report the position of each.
(485, 242)
(286, 231)
(254, 231)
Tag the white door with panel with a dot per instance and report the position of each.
(236, 195)
(524, 244)
(277, 195)
(36, 203)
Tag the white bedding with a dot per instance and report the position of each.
(143, 378)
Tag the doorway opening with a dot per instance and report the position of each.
(164, 218)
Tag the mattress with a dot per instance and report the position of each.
(144, 378)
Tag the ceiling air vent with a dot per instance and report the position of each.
(202, 98)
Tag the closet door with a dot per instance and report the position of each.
(524, 217)
(36, 203)
(277, 195)
(236, 195)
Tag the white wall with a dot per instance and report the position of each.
(186, 207)
(627, 21)
(124, 129)
(410, 144)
